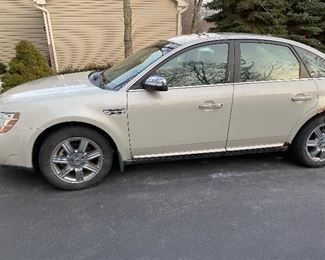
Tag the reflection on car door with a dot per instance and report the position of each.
(193, 115)
(271, 93)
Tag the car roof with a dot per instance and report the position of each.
(206, 37)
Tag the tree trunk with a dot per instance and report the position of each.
(128, 41)
(196, 13)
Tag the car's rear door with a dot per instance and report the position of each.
(273, 90)
(193, 115)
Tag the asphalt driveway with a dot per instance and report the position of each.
(243, 207)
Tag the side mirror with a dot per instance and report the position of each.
(156, 83)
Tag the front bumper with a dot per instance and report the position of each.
(16, 147)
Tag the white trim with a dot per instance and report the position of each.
(230, 84)
(178, 153)
(182, 6)
(49, 33)
(181, 3)
(272, 81)
(233, 149)
(254, 147)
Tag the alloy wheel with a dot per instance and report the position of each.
(76, 160)
(315, 145)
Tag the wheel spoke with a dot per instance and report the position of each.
(91, 167)
(60, 160)
(312, 143)
(319, 133)
(322, 155)
(83, 145)
(67, 147)
(79, 174)
(315, 152)
(66, 171)
(93, 155)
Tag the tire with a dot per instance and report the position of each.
(302, 153)
(75, 158)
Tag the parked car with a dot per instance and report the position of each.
(187, 96)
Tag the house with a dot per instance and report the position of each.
(187, 18)
(74, 33)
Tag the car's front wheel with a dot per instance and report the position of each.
(75, 157)
(308, 147)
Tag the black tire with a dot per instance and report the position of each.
(58, 136)
(298, 148)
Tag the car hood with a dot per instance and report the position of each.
(58, 86)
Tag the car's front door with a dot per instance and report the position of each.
(193, 115)
(273, 91)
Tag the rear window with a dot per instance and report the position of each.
(267, 62)
(314, 63)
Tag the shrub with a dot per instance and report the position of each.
(3, 68)
(90, 66)
(28, 64)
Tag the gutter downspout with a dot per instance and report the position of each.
(49, 35)
(181, 10)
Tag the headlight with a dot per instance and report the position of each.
(7, 121)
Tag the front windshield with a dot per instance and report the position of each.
(121, 73)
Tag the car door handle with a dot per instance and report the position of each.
(301, 97)
(210, 105)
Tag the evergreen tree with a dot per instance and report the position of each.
(250, 16)
(300, 20)
(28, 64)
(306, 22)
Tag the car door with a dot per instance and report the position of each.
(273, 90)
(193, 115)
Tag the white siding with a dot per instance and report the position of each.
(153, 20)
(20, 20)
(85, 31)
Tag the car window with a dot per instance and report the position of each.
(314, 63)
(265, 61)
(205, 65)
(117, 76)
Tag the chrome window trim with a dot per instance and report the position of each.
(144, 156)
(273, 81)
(190, 87)
(255, 147)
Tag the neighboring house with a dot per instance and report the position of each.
(187, 18)
(84, 31)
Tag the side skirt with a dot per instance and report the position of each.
(200, 156)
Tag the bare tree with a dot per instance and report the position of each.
(128, 37)
(196, 14)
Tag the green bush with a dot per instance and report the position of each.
(3, 68)
(29, 64)
(89, 67)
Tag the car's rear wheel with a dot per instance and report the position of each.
(75, 157)
(308, 147)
